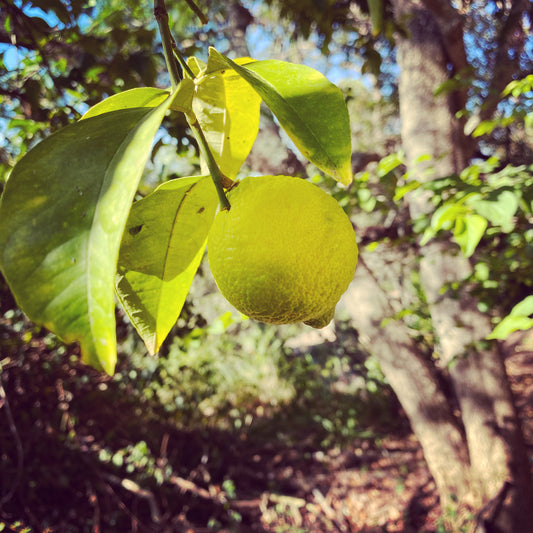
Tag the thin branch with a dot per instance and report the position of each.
(197, 11)
(4, 403)
(450, 24)
(504, 66)
(181, 60)
(188, 486)
(136, 489)
(219, 179)
(161, 16)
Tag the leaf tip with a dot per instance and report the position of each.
(344, 174)
(105, 360)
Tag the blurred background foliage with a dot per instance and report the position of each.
(163, 441)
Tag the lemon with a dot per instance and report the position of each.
(284, 252)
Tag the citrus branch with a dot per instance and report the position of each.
(161, 15)
(181, 60)
(197, 11)
(218, 178)
(169, 50)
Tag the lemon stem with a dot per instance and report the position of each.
(170, 50)
(216, 175)
(182, 61)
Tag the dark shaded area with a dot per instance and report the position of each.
(81, 451)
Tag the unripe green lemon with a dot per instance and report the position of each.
(284, 252)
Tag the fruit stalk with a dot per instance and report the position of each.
(216, 175)
(169, 50)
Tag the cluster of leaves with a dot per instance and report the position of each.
(489, 209)
(63, 52)
(62, 225)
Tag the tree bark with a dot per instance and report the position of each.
(411, 375)
(477, 457)
(499, 468)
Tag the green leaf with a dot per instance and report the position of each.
(500, 212)
(445, 216)
(488, 126)
(308, 106)
(145, 97)
(161, 249)
(227, 109)
(61, 220)
(405, 189)
(517, 319)
(139, 97)
(196, 65)
(524, 307)
(518, 87)
(388, 164)
(469, 230)
(509, 324)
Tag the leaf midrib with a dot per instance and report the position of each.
(167, 252)
(104, 186)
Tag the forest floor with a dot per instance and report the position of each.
(62, 475)
(368, 488)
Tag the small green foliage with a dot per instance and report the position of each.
(520, 318)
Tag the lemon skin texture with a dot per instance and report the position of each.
(284, 252)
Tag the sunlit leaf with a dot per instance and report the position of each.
(405, 189)
(445, 215)
(388, 164)
(509, 324)
(139, 97)
(499, 211)
(160, 252)
(309, 108)
(227, 109)
(469, 230)
(196, 65)
(524, 307)
(145, 97)
(517, 319)
(61, 220)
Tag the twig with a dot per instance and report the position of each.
(161, 16)
(134, 488)
(169, 48)
(93, 500)
(181, 59)
(188, 486)
(197, 11)
(4, 403)
(328, 510)
(218, 178)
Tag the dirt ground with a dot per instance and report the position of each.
(368, 488)
(225, 482)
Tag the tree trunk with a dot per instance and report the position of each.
(409, 372)
(500, 471)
